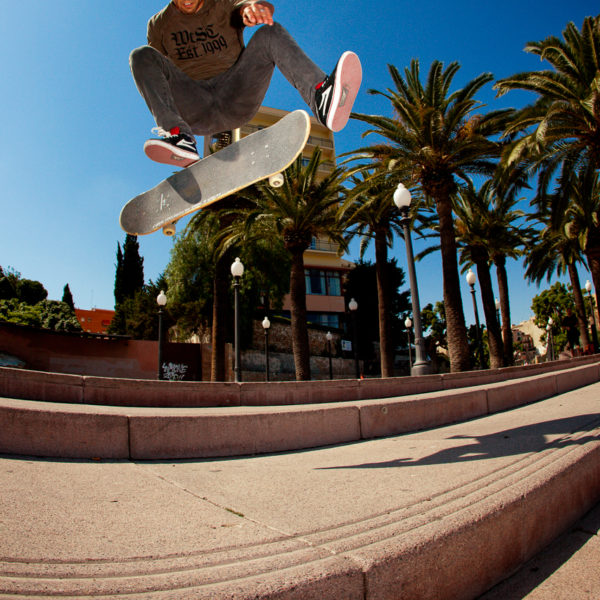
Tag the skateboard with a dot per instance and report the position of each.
(261, 155)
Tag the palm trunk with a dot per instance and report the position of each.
(300, 345)
(458, 346)
(579, 305)
(219, 322)
(383, 303)
(495, 344)
(507, 338)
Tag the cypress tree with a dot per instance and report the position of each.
(119, 276)
(129, 276)
(68, 297)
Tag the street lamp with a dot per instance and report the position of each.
(161, 300)
(402, 200)
(353, 306)
(329, 338)
(237, 270)
(471, 279)
(408, 325)
(588, 289)
(266, 325)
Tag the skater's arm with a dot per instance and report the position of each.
(257, 13)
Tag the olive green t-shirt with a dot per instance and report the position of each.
(202, 45)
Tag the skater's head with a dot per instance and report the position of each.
(188, 7)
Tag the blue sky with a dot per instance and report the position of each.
(74, 123)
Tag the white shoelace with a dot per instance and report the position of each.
(160, 132)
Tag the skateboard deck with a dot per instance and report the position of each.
(259, 156)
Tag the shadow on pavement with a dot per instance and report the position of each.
(520, 440)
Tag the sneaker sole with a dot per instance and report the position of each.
(347, 83)
(164, 153)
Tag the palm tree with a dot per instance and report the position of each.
(473, 225)
(562, 128)
(554, 251)
(584, 224)
(370, 214)
(438, 139)
(508, 238)
(305, 207)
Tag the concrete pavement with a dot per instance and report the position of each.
(444, 513)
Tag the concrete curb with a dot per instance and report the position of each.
(51, 429)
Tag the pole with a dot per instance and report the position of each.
(421, 365)
(355, 344)
(160, 344)
(266, 354)
(238, 354)
(479, 342)
(593, 323)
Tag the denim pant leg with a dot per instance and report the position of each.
(240, 91)
(174, 98)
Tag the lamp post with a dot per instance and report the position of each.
(588, 289)
(498, 313)
(329, 338)
(266, 325)
(402, 200)
(550, 340)
(471, 279)
(237, 270)
(408, 325)
(161, 300)
(353, 306)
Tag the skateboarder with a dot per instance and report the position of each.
(197, 77)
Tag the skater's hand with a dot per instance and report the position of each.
(257, 13)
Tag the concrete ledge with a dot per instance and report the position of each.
(52, 387)
(38, 385)
(62, 431)
(83, 431)
(380, 418)
(140, 392)
(465, 553)
(298, 392)
(169, 435)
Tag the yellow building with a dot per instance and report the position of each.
(323, 267)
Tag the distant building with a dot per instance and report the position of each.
(529, 336)
(96, 320)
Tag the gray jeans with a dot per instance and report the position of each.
(230, 99)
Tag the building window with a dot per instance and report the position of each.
(329, 320)
(323, 283)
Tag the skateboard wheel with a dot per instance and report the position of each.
(276, 180)
(169, 229)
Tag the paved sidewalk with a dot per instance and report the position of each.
(255, 527)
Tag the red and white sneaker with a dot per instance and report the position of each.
(335, 95)
(174, 148)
